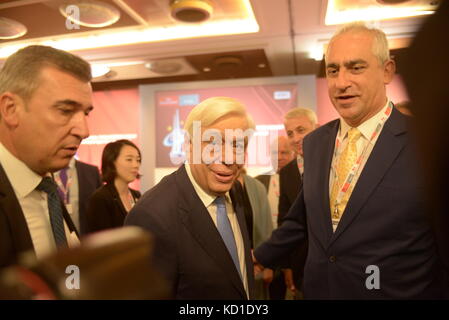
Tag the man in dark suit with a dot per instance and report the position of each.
(76, 185)
(281, 155)
(298, 123)
(45, 97)
(201, 239)
(361, 198)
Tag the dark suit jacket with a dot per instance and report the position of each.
(430, 107)
(15, 237)
(88, 181)
(289, 185)
(189, 250)
(105, 209)
(383, 224)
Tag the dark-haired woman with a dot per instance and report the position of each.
(110, 204)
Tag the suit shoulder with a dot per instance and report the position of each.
(256, 183)
(161, 197)
(318, 132)
(87, 166)
(285, 171)
(104, 192)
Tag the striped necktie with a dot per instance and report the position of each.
(54, 209)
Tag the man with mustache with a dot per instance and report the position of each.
(202, 245)
(45, 98)
(361, 204)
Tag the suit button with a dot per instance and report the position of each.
(332, 259)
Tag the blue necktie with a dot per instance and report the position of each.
(224, 227)
(54, 209)
(63, 177)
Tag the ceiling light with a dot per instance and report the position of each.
(192, 11)
(99, 70)
(11, 29)
(164, 67)
(336, 14)
(90, 13)
(228, 62)
(111, 38)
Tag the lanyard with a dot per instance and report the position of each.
(349, 181)
(65, 189)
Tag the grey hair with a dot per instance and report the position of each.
(380, 43)
(299, 112)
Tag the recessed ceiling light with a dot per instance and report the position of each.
(90, 13)
(192, 11)
(164, 67)
(11, 29)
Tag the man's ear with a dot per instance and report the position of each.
(389, 71)
(9, 108)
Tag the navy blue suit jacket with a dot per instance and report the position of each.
(88, 181)
(189, 250)
(384, 223)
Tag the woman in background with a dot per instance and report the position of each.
(110, 204)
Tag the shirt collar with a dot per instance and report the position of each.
(205, 197)
(367, 127)
(22, 178)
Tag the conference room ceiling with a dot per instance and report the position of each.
(274, 37)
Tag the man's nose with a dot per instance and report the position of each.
(80, 126)
(342, 81)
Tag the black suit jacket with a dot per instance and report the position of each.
(189, 250)
(105, 209)
(15, 237)
(289, 185)
(88, 181)
(384, 223)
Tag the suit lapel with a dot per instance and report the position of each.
(14, 214)
(197, 220)
(325, 160)
(389, 144)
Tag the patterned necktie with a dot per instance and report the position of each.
(347, 159)
(63, 177)
(54, 209)
(224, 227)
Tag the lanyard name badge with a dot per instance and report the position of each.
(65, 189)
(348, 182)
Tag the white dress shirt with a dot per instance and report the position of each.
(208, 201)
(33, 203)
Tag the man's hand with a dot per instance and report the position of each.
(258, 268)
(288, 278)
(267, 276)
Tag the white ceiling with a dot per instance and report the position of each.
(276, 23)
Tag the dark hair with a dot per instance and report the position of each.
(110, 153)
(21, 72)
